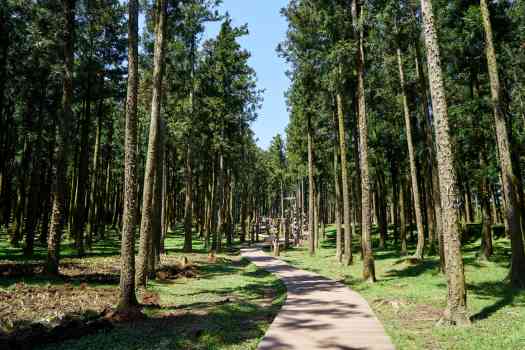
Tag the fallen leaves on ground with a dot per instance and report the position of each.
(22, 304)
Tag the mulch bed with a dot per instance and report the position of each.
(72, 305)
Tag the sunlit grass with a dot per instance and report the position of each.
(409, 299)
(228, 306)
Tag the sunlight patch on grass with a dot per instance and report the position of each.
(409, 299)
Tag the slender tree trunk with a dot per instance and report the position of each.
(456, 311)
(35, 190)
(79, 212)
(146, 225)
(402, 218)
(154, 258)
(337, 186)
(230, 229)
(58, 210)
(243, 214)
(282, 222)
(412, 161)
(188, 205)
(95, 182)
(163, 213)
(311, 190)
(347, 250)
(512, 216)
(486, 249)
(128, 297)
(362, 122)
(316, 215)
(221, 204)
(433, 179)
(382, 220)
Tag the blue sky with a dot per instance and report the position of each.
(267, 29)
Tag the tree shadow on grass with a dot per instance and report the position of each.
(104, 248)
(501, 256)
(233, 317)
(415, 270)
(94, 279)
(506, 294)
(209, 325)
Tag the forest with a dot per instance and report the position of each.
(139, 211)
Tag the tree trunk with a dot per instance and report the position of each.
(402, 218)
(512, 216)
(79, 213)
(433, 179)
(311, 188)
(366, 216)
(154, 258)
(486, 249)
(282, 223)
(412, 161)
(456, 311)
(94, 209)
(362, 127)
(316, 216)
(382, 221)
(337, 187)
(347, 250)
(188, 205)
(146, 225)
(163, 209)
(58, 210)
(128, 297)
(35, 190)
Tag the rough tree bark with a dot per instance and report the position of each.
(337, 189)
(311, 190)
(94, 208)
(412, 160)
(402, 217)
(362, 122)
(188, 205)
(508, 177)
(456, 311)
(347, 250)
(128, 297)
(61, 150)
(146, 224)
(486, 221)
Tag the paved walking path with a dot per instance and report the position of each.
(319, 313)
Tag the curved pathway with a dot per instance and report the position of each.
(319, 313)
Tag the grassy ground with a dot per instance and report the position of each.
(228, 305)
(409, 299)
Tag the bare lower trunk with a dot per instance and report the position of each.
(402, 218)
(434, 206)
(154, 258)
(146, 225)
(188, 205)
(94, 208)
(128, 297)
(58, 210)
(486, 249)
(347, 251)
(368, 258)
(337, 199)
(456, 311)
(412, 161)
(508, 177)
(311, 194)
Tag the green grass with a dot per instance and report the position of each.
(229, 305)
(409, 299)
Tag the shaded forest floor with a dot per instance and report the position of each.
(222, 303)
(409, 299)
